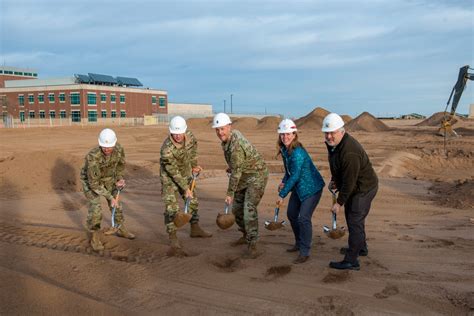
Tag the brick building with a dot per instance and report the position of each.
(88, 98)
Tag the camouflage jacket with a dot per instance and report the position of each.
(100, 173)
(177, 160)
(243, 160)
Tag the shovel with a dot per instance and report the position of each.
(225, 220)
(275, 224)
(182, 219)
(335, 232)
(115, 227)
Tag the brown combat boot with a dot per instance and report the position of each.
(124, 233)
(241, 241)
(96, 244)
(252, 252)
(174, 242)
(197, 231)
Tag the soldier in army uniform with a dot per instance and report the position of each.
(247, 181)
(102, 175)
(178, 161)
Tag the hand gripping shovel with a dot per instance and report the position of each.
(335, 232)
(182, 219)
(275, 224)
(225, 220)
(115, 227)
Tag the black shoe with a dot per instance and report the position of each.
(301, 259)
(344, 265)
(363, 252)
(293, 249)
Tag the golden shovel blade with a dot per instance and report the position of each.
(335, 233)
(182, 219)
(225, 221)
(274, 225)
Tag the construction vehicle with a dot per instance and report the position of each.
(446, 128)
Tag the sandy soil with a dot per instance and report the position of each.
(420, 235)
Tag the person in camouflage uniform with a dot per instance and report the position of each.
(247, 180)
(102, 175)
(178, 161)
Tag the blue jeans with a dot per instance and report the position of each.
(299, 213)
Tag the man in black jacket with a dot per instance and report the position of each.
(354, 178)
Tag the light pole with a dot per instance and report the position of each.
(231, 103)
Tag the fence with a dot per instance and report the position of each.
(10, 122)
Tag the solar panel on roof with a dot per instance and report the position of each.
(83, 78)
(127, 81)
(98, 78)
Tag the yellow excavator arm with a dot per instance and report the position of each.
(446, 128)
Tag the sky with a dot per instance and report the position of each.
(386, 57)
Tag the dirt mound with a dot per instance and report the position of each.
(346, 118)
(436, 119)
(203, 122)
(313, 120)
(458, 195)
(41, 172)
(366, 122)
(244, 123)
(269, 123)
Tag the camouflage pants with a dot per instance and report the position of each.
(245, 205)
(168, 194)
(94, 214)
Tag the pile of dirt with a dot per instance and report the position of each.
(459, 195)
(269, 123)
(244, 123)
(313, 120)
(436, 119)
(203, 122)
(366, 122)
(346, 118)
(40, 171)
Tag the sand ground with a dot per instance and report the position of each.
(420, 236)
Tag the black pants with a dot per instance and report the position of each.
(356, 209)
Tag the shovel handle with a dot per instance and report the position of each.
(277, 211)
(115, 207)
(334, 221)
(186, 205)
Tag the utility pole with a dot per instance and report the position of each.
(224, 106)
(231, 104)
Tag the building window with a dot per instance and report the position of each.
(153, 99)
(75, 98)
(103, 97)
(75, 116)
(62, 97)
(103, 114)
(92, 116)
(52, 114)
(22, 116)
(31, 114)
(122, 98)
(21, 100)
(113, 114)
(42, 115)
(51, 97)
(41, 98)
(162, 102)
(31, 99)
(62, 114)
(123, 113)
(91, 98)
(112, 98)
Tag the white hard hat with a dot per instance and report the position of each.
(107, 138)
(286, 126)
(178, 125)
(332, 122)
(221, 119)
